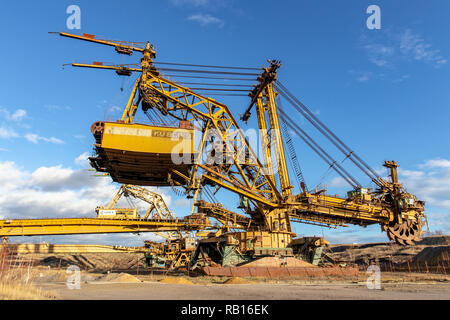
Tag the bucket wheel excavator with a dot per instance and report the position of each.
(224, 159)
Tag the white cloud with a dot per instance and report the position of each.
(17, 115)
(431, 183)
(34, 138)
(401, 79)
(439, 221)
(414, 46)
(206, 19)
(50, 192)
(11, 176)
(411, 174)
(361, 76)
(61, 192)
(7, 133)
(364, 77)
(115, 109)
(183, 203)
(436, 163)
(54, 107)
(56, 191)
(193, 3)
(82, 159)
(391, 48)
(58, 178)
(338, 182)
(379, 54)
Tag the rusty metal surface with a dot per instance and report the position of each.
(276, 272)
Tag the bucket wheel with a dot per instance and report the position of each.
(405, 233)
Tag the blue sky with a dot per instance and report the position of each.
(384, 92)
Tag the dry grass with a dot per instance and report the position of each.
(22, 291)
(16, 278)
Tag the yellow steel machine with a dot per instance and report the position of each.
(224, 159)
(112, 219)
(174, 252)
(141, 154)
(177, 248)
(157, 207)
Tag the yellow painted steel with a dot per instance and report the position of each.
(218, 117)
(147, 139)
(33, 227)
(105, 67)
(264, 136)
(157, 206)
(48, 248)
(117, 213)
(222, 120)
(245, 176)
(260, 242)
(278, 141)
(340, 209)
(131, 108)
(91, 38)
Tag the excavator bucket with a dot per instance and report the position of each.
(142, 154)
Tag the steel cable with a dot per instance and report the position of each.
(319, 150)
(324, 130)
(217, 84)
(220, 89)
(206, 66)
(201, 77)
(209, 71)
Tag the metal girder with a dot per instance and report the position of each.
(121, 46)
(226, 217)
(242, 172)
(277, 139)
(48, 248)
(158, 208)
(61, 226)
(183, 103)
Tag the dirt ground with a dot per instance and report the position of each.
(389, 252)
(161, 287)
(435, 250)
(414, 272)
(262, 291)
